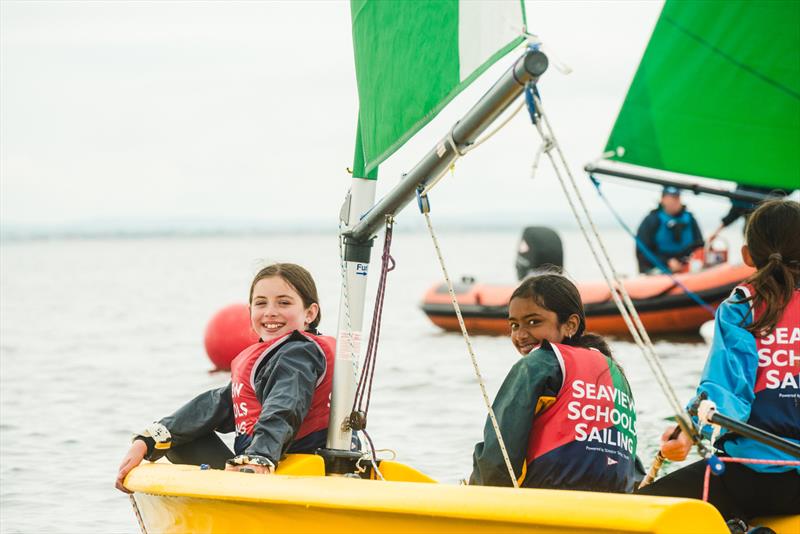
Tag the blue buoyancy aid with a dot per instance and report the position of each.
(755, 379)
(674, 234)
(776, 407)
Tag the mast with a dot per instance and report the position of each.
(355, 267)
(363, 223)
(527, 68)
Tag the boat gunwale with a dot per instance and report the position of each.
(473, 503)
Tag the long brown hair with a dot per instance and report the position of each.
(297, 277)
(555, 292)
(773, 239)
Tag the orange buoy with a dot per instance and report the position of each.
(228, 333)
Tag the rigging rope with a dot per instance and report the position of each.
(373, 455)
(364, 388)
(138, 514)
(358, 415)
(618, 291)
(728, 459)
(463, 151)
(425, 209)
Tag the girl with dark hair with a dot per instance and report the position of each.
(753, 374)
(278, 397)
(565, 410)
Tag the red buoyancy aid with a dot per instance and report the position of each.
(586, 440)
(246, 404)
(777, 386)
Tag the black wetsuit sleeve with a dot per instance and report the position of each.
(646, 234)
(208, 412)
(533, 377)
(734, 213)
(285, 386)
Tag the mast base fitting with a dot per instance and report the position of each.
(339, 462)
(357, 251)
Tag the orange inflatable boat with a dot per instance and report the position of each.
(662, 304)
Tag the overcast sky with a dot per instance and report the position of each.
(158, 111)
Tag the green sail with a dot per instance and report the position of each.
(413, 57)
(717, 94)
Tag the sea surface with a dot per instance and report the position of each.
(99, 337)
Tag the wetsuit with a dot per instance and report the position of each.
(743, 208)
(667, 236)
(568, 422)
(284, 382)
(753, 380)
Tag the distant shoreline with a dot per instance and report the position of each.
(97, 230)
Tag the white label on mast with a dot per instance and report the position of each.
(352, 341)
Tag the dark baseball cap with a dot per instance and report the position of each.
(671, 190)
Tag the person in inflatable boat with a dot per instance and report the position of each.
(565, 409)
(670, 232)
(752, 374)
(278, 397)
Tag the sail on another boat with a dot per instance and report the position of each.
(717, 95)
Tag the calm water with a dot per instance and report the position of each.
(100, 337)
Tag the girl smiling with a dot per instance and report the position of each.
(277, 400)
(558, 435)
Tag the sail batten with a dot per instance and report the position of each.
(717, 94)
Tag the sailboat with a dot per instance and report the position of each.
(446, 45)
(715, 97)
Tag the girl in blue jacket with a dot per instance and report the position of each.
(753, 374)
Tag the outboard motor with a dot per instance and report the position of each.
(538, 247)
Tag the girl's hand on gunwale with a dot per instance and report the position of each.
(133, 458)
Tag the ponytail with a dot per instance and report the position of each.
(774, 247)
(773, 287)
(590, 340)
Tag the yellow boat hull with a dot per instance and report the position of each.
(179, 498)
